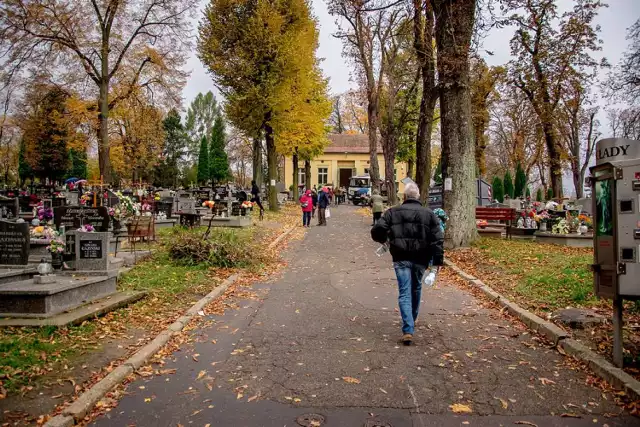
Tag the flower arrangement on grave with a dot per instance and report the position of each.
(87, 228)
(246, 204)
(43, 232)
(161, 216)
(42, 213)
(56, 246)
(127, 206)
(156, 197)
(146, 207)
(585, 220)
(561, 227)
(84, 199)
(208, 204)
(482, 223)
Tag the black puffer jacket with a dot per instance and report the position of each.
(413, 233)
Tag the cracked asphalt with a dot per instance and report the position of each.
(322, 338)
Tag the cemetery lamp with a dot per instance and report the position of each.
(44, 268)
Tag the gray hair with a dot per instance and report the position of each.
(411, 191)
(376, 192)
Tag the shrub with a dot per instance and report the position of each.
(223, 248)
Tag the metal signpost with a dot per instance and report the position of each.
(615, 184)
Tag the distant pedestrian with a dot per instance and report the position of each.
(306, 203)
(323, 204)
(314, 197)
(255, 195)
(377, 206)
(415, 238)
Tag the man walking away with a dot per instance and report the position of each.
(323, 203)
(255, 193)
(415, 238)
(377, 206)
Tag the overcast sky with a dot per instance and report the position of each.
(614, 20)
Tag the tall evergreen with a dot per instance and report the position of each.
(527, 193)
(508, 185)
(218, 160)
(539, 195)
(497, 189)
(521, 182)
(550, 193)
(203, 161)
(77, 163)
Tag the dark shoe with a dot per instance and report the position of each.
(407, 339)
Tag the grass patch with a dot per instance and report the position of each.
(545, 276)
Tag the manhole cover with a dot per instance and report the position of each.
(377, 423)
(310, 420)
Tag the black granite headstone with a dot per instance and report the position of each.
(73, 217)
(90, 249)
(9, 209)
(14, 243)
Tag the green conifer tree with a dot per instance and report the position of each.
(521, 182)
(497, 189)
(203, 161)
(218, 160)
(508, 185)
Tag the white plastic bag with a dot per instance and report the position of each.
(327, 213)
(429, 277)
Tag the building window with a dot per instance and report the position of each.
(323, 175)
(366, 171)
(301, 176)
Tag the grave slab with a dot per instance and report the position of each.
(14, 243)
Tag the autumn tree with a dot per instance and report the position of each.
(548, 54)
(218, 160)
(138, 138)
(624, 82)
(201, 117)
(423, 33)
(348, 114)
(625, 123)
(256, 51)
(483, 95)
(578, 128)
(44, 135)
(117, 46)
(9, 137)
(366, 27)
(453, 31)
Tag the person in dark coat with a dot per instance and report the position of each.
(255, 194)
(314, 197)
(415, 239)
(323, 203)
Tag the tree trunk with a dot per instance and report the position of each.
(295, 176)
(481, 145)
(454, 27)
(410, 168)
(104, 161)
(423, 36)
(272, 165)
(307, 173)
(578, 180)
(555, 162)
(257, 161)
(372, 115)
(389, 166)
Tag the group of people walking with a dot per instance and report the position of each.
(313, 200)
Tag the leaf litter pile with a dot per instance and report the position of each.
(41, 368)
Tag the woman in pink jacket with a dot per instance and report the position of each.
(306, 202)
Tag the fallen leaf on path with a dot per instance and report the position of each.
(546, 381)
(201, 374)
(504, 403)
(459, 408)
(296, 400)
(209, 386)
(351, 380)
(239, 396)
(570, 415)
(383, 390)
(526, 423)
(195, 357)
(166, 371)
(252, 398)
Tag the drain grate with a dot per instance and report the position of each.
(377, 423)
(310, 420)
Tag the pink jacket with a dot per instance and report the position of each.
(306, 198)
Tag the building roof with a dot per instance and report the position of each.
(349, 143)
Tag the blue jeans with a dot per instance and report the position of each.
(306, 218)
(409, 275)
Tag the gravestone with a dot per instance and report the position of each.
(44, 192)
(92, 251)
(14, 243)
(47, 203)
(70, 248)
(73, 198)
(73, 217)
(165, 205)
(58, 201)
(202, 195)
(187, 206)
(112, 198)
(9, 209)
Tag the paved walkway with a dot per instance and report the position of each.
(323, 339)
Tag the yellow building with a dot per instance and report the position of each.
(344, 157)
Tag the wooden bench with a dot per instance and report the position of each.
(497, 214)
